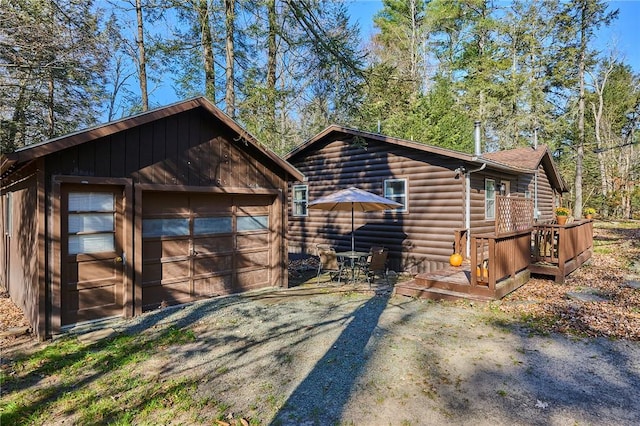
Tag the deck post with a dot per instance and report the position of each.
(562, 253)
(492, 264)
(474, 261)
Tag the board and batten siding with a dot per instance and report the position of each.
(20, 230)
(419, 240)
(185, 149)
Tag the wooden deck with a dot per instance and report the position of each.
(505, 262)
(453, 283)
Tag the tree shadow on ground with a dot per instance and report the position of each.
(553, 377)
(322, 396)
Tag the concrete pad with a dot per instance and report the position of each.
(587, 295)
(15, 331)
(95, 336)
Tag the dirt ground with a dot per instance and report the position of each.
(319, 355)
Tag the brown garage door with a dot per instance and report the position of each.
(202, 245)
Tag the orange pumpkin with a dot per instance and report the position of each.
(455, 259)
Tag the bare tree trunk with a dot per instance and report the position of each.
(230, 96)
(207, 50)
(626, 166)
(577, 208)
(625, 199)
(271, 62)
(51, 83)
(15, 136)
(142, 61)
(414, 37)
(597, 118)
(50, 109)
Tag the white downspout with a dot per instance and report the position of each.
(467, 206)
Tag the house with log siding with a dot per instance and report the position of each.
(447, 196)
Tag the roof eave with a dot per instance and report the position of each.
(504, 167)
(376, 136)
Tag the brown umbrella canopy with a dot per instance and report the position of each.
(353, 199)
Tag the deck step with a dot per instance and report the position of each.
(414, 289)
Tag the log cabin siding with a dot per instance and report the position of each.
(546, 197)
(546, 194)
(420, 239)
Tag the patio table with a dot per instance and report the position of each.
(353, 256)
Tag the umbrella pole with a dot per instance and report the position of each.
(353, 245)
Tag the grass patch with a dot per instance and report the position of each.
(602, 249)
(95, 383)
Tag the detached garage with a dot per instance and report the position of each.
(165, 207)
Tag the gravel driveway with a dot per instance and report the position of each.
(330, 355)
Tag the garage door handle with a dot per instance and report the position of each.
(117, 259)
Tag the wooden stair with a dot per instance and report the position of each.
(414, 288)
(454, 284)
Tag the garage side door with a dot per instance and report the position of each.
(202, 245)
(92, 226)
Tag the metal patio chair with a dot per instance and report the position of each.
(328, 263)
(376, 263)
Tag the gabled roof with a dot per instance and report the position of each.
(521, 157)
(335, 129)
(530, 158)
(516, 161)
(32, 152)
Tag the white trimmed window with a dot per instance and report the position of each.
(490, 199)
(398, 191)
(300, 199)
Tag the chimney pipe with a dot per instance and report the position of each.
(476, 133)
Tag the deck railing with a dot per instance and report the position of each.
(460, 242)
(561, 248)
(496, 257)
(513, 214)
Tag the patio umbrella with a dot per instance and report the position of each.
(353, 199)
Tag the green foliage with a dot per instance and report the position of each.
(52, 78)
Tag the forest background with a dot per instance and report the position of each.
(285, 69)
